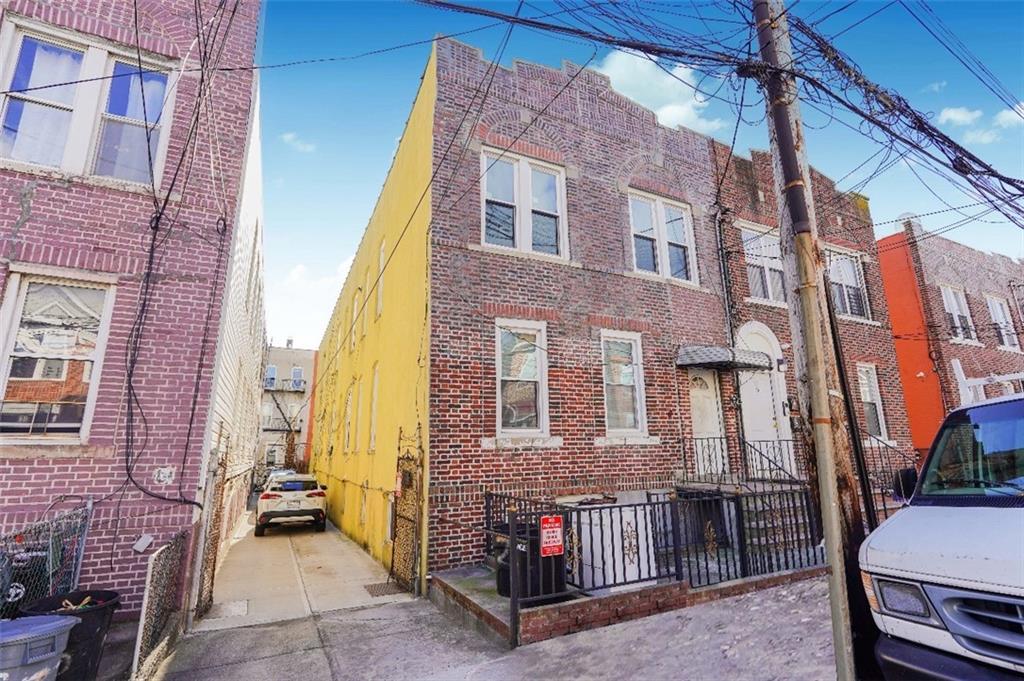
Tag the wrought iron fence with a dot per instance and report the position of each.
(42, 559)
(161, 620)
(703, 538)
(882, 461)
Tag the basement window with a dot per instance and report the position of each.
(54, 348)
(523, 204)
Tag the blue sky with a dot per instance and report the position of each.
(329, 130)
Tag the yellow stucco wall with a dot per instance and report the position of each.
(360, 480)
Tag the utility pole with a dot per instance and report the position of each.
(815, 364)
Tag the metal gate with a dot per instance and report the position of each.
(405, 548)
(212, 543)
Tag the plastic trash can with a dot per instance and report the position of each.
(31, 648)
(85, 645)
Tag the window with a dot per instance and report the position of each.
(958, 314)
(764, 266)
(382, 260)
(297, 382)
(355, 418)
(52, 348)
(846, 277)
(524, 205)
(363, 314)
(373, 410)
(1002, 322)
(624, 403)
(97, 126)
(270, 379)
(348, 421)
(357, 301)
(522, 377)
(871, 399)
(662, 237)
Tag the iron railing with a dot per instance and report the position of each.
(42, 559)
(703, 538)
(882, 461)
(737, 460)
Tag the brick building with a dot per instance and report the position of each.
(578, 332)
(77, 200)
(956, 319)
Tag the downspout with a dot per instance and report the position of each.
(730, 331)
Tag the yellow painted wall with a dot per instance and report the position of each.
(360, 481)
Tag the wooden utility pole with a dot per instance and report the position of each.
(815, 368)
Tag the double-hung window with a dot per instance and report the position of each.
(846, 278)
(624, 403)
(524, 204)
(958, 314)
(764, 265)
(81, 106)
(871, 400)
(270, 378)
(297, 382)
(1002, 322)
(53, 352)
(662, 237)
(522, 377)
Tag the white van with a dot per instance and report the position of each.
(945, 575)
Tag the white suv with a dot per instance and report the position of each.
(290, 498)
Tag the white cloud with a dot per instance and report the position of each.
(300, 305)
(937, 86)
(981, 136)
(959, 115)
(643, 81)
(293, 140)
(1010, 118)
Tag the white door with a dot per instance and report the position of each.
(763, 398)
(709, 450)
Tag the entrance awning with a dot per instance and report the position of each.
(717, 357)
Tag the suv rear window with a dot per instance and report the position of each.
(295, 486)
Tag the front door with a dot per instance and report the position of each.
(766, 429)
(709, 450)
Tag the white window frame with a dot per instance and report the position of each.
(357, 299)
(870, 372)
(1003, 326)
(955, 297)
(765, 263)
(10, 314)
(522, 190)
(543, 428)
(381, 264)
(89, 105)
(638, 373)
(347, 448)
(374, 387)
(858, 261)
(661, 237)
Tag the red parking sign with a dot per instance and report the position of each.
(551, 536)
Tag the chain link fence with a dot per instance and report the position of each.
(160, 623)
(42, 559)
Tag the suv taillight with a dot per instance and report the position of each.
(270, 495)
(317, 493)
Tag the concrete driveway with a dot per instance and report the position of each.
(291, 572)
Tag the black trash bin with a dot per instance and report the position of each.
(541, 577)
(85, 645)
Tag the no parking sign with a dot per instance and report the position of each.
(551, 536)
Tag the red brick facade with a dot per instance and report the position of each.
(607, 145)
(100, 227)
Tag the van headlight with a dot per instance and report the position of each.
(905, 600)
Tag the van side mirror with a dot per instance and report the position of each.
(323, 487)
(904, 481)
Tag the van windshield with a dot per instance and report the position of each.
(979, 453)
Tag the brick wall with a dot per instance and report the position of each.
(82, 223)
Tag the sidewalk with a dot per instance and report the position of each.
(780, 633)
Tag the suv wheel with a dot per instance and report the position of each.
(260, 529)
(321, 526)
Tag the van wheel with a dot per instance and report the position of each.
(260, 529)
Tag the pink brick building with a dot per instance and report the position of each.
(581, 337)
(76, 207)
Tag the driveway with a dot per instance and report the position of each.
(779, 633)
(289, 573)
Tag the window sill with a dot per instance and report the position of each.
(963, 341)
(858, 320)
(528, 255)
(880, 442)
(29, 448)
(521, 442)
(767, 303)
(621, 440)
(682, 283)
(1010, 349)
(60, 175)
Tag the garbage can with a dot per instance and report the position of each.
(31, 648)
(85, 645)
(542, 577)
